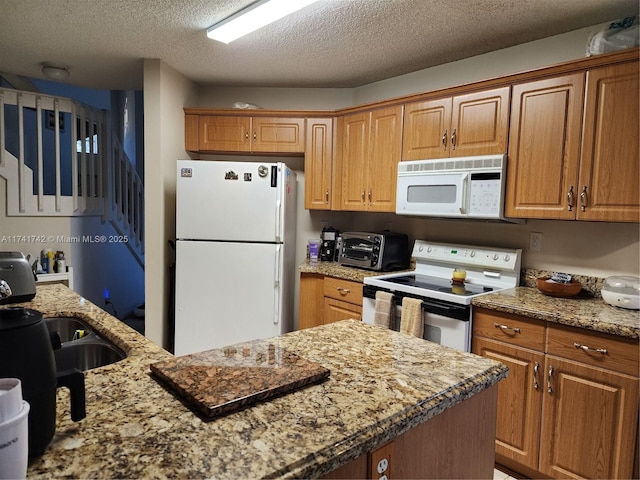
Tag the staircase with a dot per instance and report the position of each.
(59, 158)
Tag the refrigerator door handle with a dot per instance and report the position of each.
(278, 220)
(277, 286)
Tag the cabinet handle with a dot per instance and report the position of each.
(505, 327)
(363, 194)
(549, 388)
(587, 348)
(326, 196)
(583, 198)
(343, 291)
(370, 202)
(536, 367)
(444, 140)
(570, 198)
(453, 139)
(246, 136)
(255, 135)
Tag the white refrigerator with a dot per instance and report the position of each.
(235, 253)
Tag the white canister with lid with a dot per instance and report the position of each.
(622, 291)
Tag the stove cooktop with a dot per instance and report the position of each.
(444, 285)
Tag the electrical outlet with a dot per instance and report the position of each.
(535, 241)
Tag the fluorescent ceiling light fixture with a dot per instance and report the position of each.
(255, 16)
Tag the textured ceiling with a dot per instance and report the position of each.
(332, 43)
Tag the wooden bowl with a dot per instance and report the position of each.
(554, 289)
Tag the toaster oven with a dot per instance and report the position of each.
(381, 251)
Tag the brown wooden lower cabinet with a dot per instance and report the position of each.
(458, 443)
(570, 411)
(326, 299)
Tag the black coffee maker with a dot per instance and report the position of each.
(328, 248)
(26, 352)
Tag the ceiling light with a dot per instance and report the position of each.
(255, 16)
(54, 72)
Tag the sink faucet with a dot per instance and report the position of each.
(5, 289)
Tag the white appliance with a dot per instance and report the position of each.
(235, 253)
(464, 187)
(446, 306)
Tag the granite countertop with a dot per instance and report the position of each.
(334, 269)
(382, 383)
(583, 311)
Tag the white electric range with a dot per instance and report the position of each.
(446, 305)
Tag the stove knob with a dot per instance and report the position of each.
(495, 256)
(429, 249)
(507, 258)
(472, 254)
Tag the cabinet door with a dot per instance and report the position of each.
(336, 310)
(479, 123)
(318, 164)
(519, 401)
(311, 300)
(352, 161)
(426, 129)
(277, 135)
(224, 134)
(589, 421)
(609, 166)
(544, 148)
(385, 149)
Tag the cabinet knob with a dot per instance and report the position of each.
(549, 375)
(362, 195)
(370, 202)
(583, 198)
(536, 367)
(246, 136)
(587, 348)
(343, 291)
(570, 198)
(326, 196)
(453, 139)
(506, 328)
(255, 135)
(444, 140)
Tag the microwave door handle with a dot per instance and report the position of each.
(464, 185)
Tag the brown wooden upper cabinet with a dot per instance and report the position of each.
(610, 159)
(368, 151)
(561, 168)
(221, 133)
(318, 164)
(470, 124)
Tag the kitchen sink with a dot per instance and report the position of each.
(85, 355)
(67, 327)
(81, 347)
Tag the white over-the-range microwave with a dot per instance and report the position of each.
(463, 187)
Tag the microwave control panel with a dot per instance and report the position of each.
(485, 194)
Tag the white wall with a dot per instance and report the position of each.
(166, 93)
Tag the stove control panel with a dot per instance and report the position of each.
(476, 256)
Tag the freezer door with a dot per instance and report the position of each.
(236, 201)
(228, 293)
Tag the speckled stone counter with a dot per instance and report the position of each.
(382, 384)
(334, 269)
(584, 311)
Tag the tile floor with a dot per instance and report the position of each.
(498, 475)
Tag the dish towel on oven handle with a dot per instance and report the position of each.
(385, 310)
(411, 317)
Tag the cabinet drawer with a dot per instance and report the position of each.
(513, 329)
(345, 290)
(593, 348)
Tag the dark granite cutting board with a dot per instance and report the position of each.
(220, 381)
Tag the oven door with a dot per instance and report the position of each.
(433, 194)
(445, 323)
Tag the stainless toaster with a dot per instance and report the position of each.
(16, 271)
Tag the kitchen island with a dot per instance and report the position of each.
(384, 387)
